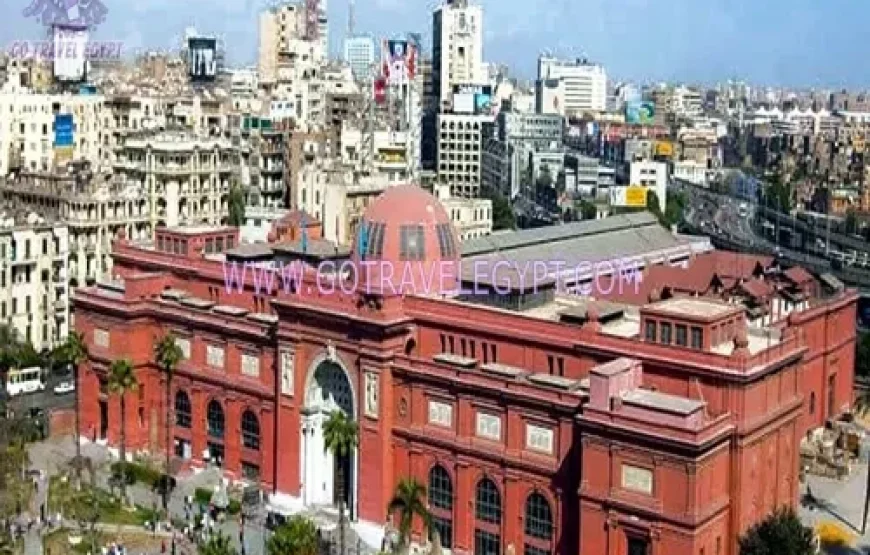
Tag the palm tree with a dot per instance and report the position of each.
(219, 544)
(168, 354)
(73, 352)
(340, 435)
(122, 380)
(298, 536)
(408, 501)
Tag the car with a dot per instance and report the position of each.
(64, 387)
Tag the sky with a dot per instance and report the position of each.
(795, 43)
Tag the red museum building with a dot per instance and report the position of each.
(576, 426)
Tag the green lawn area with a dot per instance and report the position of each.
(62, 495)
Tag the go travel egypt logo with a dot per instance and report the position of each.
(70, 22)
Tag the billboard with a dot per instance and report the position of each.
(399, 61)
(633, 196)
(472, 99)
(642, 113)
(664, 148)
(202, 58)
(63, 130)
(70, 50)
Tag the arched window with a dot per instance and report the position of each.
(215, 415)
(487, 533)
(250, 431)
(441, 504)
(539, 525)
(182, 410)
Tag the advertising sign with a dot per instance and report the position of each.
(463, 103)
(63, 131)
(472, 99)
(400, 61)
(70, 49)
(633, 196)
(640, 113)
(202, 58)
(664, 148)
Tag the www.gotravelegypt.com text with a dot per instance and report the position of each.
(481, 277)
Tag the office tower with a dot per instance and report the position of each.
(457, 48)
(359, 53)
(571, 87)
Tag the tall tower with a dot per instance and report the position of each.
(457, 48)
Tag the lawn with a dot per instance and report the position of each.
(57, 543)
(62, 495)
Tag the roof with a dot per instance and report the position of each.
(798, 276)
(662, 402)
(318, 248)
(694, 307)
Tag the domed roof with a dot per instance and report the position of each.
(406, 244)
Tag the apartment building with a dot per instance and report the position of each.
(187, 177)
(27, 136)
(460, 145)
(471, 217)
(94, 208)
(282, 32)
(34, 287)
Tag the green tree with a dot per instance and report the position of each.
(74, 352)
(588, 210)
(652, 205)
(340, 434)
(408, 500)
(503, 216)
(167, 355)
(236, 205)
(781, 533)
(297, 536)
(122, 380)
(219, 544)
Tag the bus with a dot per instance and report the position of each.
(26, 380)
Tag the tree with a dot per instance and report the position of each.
(74, 352)
(167, 355)
(851, 222)
(588, 210)
(122, 380)
(652, 205)
(408, 501)
(781, 533)
(219, 544)
(297, 536)
(503, 216)
(340, 435)
(236, 205)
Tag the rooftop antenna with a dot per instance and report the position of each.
(351, 20)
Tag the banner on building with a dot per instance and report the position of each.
(63, 131)
(399, 61)
(633, 196)
(664, 149)
(380, 90)
(640, 113)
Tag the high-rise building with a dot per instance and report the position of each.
(359, 53)
(282, 28)
(582, 86)
(457, 48)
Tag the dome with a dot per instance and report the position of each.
(406, 244)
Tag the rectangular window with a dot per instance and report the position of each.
(488, 426)
(666, 333)
(697, 338)
(251, 365)
(215, 356)
(463, 346)
(650, 331)
(682, 339)
(443, 343)
(539, 439)
(452, 345)
(440, 414)
(561, 364)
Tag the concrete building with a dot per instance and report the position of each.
(259, 222)
(460, 144)
(283, 39)
(187, 177)
(472, 217)
(653, 175)
(34, 287)
(586, 421)
(457, 48)
(359, 53)
(582, 86)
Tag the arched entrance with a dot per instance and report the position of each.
(328, 389)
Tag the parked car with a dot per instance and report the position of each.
(64, 387)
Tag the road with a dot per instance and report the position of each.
(46, 400)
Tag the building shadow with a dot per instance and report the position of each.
(809, 501)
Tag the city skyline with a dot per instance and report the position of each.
(706, 43)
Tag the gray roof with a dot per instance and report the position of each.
(581, 247)
(319, 248)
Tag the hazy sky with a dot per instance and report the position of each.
(778, 42)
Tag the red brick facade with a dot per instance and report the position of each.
(526, 405)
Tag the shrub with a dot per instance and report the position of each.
(136, 473)
(234, 507)
(202, 496)
(832, 534)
